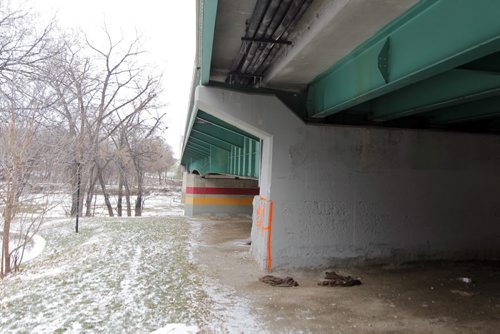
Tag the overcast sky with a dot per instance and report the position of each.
(168, 32)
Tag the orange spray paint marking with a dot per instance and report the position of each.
(269, 235)
(260, 213)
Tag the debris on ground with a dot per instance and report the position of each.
(466, 280)
(463, 293)
(277, 281)
(334, 279)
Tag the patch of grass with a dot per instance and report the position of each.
(129, 274)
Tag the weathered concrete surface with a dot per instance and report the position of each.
(357, 194)
(222, 200)
(184, 185)
(329, 31)
(411, 298)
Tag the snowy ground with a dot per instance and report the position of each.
(116, 275)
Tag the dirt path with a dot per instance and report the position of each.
(420, 298)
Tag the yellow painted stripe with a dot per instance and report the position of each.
(219, 200)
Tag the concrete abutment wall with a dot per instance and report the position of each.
(358, 194)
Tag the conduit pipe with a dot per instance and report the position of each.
(271, 20)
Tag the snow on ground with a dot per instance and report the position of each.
(117, 275)
(177, 329)
(134, 277)
(156, 204)
(34, 248)
(161, 204)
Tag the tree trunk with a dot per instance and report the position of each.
(5, 248)
(76, 183)
(74, 187)
(95, 202)
(138, 205)
(7, 219)
(127, 199)
(120, 196)
(138, 200)
(159, 178)
(104, 192)
(90, 193)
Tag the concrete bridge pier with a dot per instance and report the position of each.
(218, 195)
(343, 193)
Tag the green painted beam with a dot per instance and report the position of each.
(444, 90)
(214, 146)
(191, 158)
(482, 109)
(198, 154)
(203, 138)
(200, 144)
(207, 38)
(201, 165)
(204, 147)
(191, 148)
(195, 155)
(433, 37)
(221, 133)
(215, 121)
(194, 148)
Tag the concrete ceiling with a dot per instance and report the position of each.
(229, 28)
(328, 31)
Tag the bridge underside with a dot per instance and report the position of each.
(370, 125)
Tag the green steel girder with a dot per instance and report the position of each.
(220, 133)
(191, 158)
(202, 146)
(198, 151)
(219, 123)
(200, 143)
(214, 146)
(444, 90)
(197, 136)
(190, 153)
(201, 165)
(433, 37)
(482, 109)
(195, 149)
(209, 12)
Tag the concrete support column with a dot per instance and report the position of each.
(218, 195)
(334, 193)
(261, 235)
(184, 185)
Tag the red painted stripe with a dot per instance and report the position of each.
(222, 191)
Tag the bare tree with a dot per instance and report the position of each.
(23, 51)
(97, 93)
(98, 100)
(141, 148)
(163, 158)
